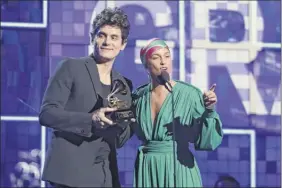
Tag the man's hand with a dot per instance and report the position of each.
(210, 98)
(99, 116)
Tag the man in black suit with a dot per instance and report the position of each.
(83, 148)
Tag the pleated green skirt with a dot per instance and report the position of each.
(155, 167)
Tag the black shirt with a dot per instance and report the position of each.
(104, 149)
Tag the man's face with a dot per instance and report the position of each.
(108, 43)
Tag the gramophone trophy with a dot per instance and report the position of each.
(124, 111)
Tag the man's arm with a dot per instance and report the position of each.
(53, 113)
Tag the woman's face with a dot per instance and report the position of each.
(160, 60)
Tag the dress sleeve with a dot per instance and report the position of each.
(209, 124)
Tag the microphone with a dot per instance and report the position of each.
(25, 104)
(163, 79)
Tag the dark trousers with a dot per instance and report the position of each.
(103, 177)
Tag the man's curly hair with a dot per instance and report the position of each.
(112, 17)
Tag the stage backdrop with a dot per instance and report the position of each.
(233, 44)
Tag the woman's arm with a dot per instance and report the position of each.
(209, 123)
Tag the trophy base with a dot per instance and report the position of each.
(122, 115)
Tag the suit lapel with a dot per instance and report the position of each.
(94, 75)
(116, 76)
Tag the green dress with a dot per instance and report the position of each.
(154, 166)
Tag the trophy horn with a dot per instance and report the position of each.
(118, 87)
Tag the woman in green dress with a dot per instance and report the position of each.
(182, 114)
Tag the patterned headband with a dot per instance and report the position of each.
(152, 45)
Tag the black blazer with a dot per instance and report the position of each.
(69, 99)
